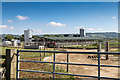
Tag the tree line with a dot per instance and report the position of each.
(21, 38)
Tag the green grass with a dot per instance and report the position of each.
(36, 57)
(117, 50)
(85, 46)
(95, 45)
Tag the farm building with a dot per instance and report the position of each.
(44, 41)
(12, 43)
(6, 43)
(29, 44)
(16, 43)
(68, 39)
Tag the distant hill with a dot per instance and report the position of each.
(99, 35)
(3, 35)
(103, 35)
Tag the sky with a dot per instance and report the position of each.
(59, 17)
(60, 0)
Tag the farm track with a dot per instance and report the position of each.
(86, 70)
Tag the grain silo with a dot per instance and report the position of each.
(28, 35)
(82, 32)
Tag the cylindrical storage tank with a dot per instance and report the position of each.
(27, 35)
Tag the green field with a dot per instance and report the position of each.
(95, 45)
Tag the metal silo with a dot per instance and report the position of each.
(28, 35)
(82, 33)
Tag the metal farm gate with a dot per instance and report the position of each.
(67, 63)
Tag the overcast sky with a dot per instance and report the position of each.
(59, 18)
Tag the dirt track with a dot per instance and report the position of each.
(86, 70)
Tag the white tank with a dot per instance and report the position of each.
(28, 35)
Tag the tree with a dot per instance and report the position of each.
(52, 35)
(46, 35)
(9, 37)
(58, 35)
(35, 36)
(18, 38)
(0, 39)
(22, 37)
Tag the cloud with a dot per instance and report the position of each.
(11, 27)
(7, 27)
(56, 24)
(22, 17)
(10, 21)
(3, 26)
(113, 17)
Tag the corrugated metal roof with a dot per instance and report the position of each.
(72, 38)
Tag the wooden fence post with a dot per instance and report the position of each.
(107, 49)
(99, 50)
(11, 64)
(44, 50)
(63, 47)
(67, 61)
(99, 47)
(54, 47)
(40, 55)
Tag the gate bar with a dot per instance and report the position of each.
(17, 66)
(68, 63)
(69, 74)
(71, 52)
(54, 66)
